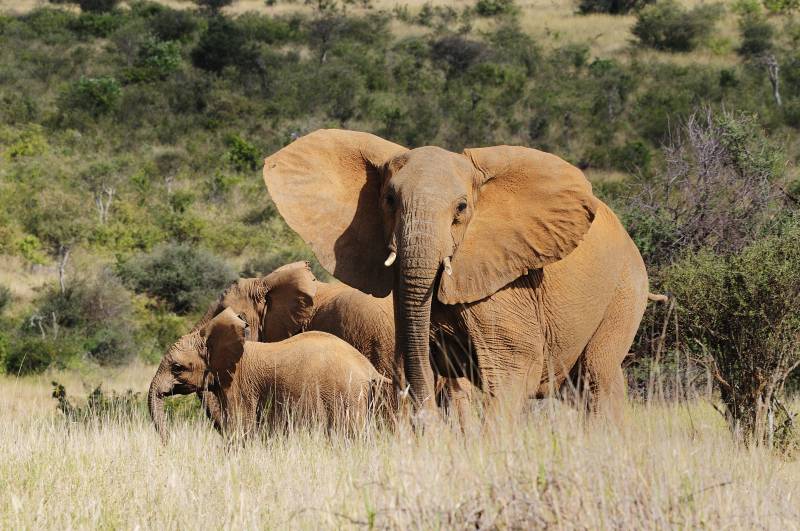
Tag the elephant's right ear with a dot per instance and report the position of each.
(225, 336)
(327, 186)
(290, 292)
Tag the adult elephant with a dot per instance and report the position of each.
(523, 273)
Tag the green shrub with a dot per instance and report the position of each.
(6, 297)
(613, 7)
(97, 6)
(173, 24)
(95, 96)
(213, 5)
(181, 276)
(742, 311)
(50, 25)
(221, 45)
(29, 353)
(782, 6)
(242, 155)
(757, 35)
(92, 24)
(493, 8)
(668, 26)
(97, 312)
(270, 30)
(156, 60)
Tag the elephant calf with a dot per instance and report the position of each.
(313, 376)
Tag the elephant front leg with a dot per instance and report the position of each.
(211, 406)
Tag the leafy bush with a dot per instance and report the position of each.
(221, 45)
(31, 354)
(743, 313)
(156, 60)
(492, 8)
(96, 24)
(5, 298)
(242, 155)
(94, 315)
(668, 26)
(97, 6)
(173, 24)
(95, 96)
(782, 6)
(183, 277)
(613, 7)
(213, 5)
(757, 35)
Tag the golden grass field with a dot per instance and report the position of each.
(670, 466)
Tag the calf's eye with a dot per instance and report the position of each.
(461, 207)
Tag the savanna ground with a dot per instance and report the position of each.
(671, 465)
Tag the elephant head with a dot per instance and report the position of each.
(198, 360)
(381, 217)
(275, 306)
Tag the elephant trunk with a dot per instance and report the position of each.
(160, 387)
(418, 265)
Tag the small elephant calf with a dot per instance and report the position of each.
(312, 376)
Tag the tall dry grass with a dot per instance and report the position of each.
(669, 466)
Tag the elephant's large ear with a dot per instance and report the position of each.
(326, 186)
(532, 209)
(290, 300)
(225, 335)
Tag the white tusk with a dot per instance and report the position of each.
(389, 261)
(448, 268)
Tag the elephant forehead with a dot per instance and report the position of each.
(186, 347)
(431, 170)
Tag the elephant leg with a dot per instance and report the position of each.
(212, 408)
(507, 344)
(601, 374)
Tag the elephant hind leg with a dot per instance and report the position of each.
(601, 379)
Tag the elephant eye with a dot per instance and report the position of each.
(390, 200)
(461, 207)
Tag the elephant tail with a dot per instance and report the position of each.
(657, 297)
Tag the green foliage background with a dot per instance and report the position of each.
(133, 137)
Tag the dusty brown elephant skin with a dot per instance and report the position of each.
(312, 376)
(291, 300)
(522, 272)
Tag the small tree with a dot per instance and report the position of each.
(102, 180)
(59, 221)
(743, 315)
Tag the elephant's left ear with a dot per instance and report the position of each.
(290, 293)
(532, 209)
(225, 336)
